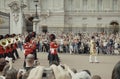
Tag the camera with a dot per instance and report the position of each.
(22, 71)
(48, 74)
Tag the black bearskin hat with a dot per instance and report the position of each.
(52, 37)
(1, 37)
(33, 34)
(27, 39)
(13, 35)
(7, 36)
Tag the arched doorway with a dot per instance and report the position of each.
(44, 28)
(29, 24)
(114, 27)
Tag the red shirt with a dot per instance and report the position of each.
(53, 48)
(1, 50)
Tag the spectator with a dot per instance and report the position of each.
(29, 62)
(116, 71)
(9, 72)
(2, 64)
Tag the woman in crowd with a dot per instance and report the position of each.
(116, 71)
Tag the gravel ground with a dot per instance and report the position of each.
(79, 62)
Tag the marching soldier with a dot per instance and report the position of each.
(27, 49)
(53, 56)
(2, 50)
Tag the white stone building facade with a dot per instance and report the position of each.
(72, 15)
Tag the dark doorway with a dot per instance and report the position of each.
(114, 27)
(44, 29)
(29, 24)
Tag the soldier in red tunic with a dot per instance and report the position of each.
(53, 56)
(2, 50)
(27, 48)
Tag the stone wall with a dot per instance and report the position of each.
(73, 15)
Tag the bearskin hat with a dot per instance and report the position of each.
(1, 37)
(33, 34)
(13, 35)
(7, 36)
(27, 39)
(52, 37)
(30, 36)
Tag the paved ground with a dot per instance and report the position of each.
(80, 62)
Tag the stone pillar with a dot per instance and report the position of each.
(35, 25)
(17, 22)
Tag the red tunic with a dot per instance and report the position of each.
(1, 50)
(27, 48)
(53, 48)
(7, 50)
(10, 49)
(33, 46)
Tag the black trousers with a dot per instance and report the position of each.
(1, 56)
(12, 55)
(53, 59)
(24, 64)
(16, 53)
(35, 54)
(6, 55)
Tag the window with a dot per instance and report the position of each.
(114, 4)
(99, 5)
(99, 18)
(84, 18)
(85, 4)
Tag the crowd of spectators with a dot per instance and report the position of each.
(78, 43)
